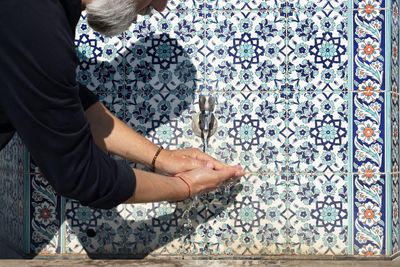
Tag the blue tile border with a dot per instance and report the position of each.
(350, 150)
(369, 134)
(388, 139)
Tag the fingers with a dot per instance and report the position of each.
(204, 157)
(229, 172)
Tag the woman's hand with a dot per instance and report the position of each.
(209, 178)
(176, 161)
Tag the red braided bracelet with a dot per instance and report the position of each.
(188, 185)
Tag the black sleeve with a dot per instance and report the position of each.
(40, 97)
(87, 97)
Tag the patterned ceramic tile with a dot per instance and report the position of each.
(250, 131)
(395, 124)
(184, 5)
(317, 50)
(318, 209)
(238, 5)
(369, 134)
(249, 218)
(12, 210)
(245, 50)
(44, 216)
(370, 7)
(279, 71)
(165, 51)
(12, 194)
(140, 229)
(320, 4)
(318, 132)
(100, 59)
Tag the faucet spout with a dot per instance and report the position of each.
(207, 106)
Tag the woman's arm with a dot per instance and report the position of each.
(112, 135)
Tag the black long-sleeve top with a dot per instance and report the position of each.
(42, 101)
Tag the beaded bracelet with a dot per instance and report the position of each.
(153, 163)
(188, 185)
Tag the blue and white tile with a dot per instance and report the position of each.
(165, 51)
(140, 229)
(369, 212)
(238, 5)
(44, 217)
(318, 214)
(317, 50)
(250, 131)
(318, 132)
(164, 118)
(319, 4)
(248, 217)
(184, 6)
(100, 59)
(395, 124)
(245, 50)
(370, 7)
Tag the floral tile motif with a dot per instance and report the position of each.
(319, 4)
(317, 214)
(317, 50)
(371, 8)
(44, 217)
(250, 131)
(184, 6)
(245, 50)
(100, 59)
(165, 51)
(318, 132)
(238, 5)
(164, 118)
(279, 72)
(249, 217)
(395, 124)
(369, 135)
(140, 229)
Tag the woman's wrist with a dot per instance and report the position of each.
(155, 157)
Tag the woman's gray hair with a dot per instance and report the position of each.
(111, 17)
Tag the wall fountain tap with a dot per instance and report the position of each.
(204, 123)
(207, 106)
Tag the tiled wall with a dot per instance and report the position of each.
(307, 103)
(12, 196)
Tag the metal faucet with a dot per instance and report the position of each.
(206, 119)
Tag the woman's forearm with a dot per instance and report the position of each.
(153, 187)
(112, 135)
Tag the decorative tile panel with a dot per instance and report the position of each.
(369, 132)
(394, 113)
(318, 132)
(307, 102)
(253, 218)
(318, 50)
(246, 50)
(317, 214)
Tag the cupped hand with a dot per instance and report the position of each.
(209, 178)
(176, 161)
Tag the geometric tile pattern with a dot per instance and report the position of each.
(307, 102)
